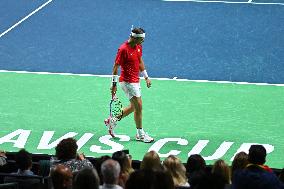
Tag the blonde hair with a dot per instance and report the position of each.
(176, 169)
(151, 161)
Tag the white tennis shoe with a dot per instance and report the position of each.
(110, 124)
(144, 138)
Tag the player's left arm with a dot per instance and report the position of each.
(144, 72)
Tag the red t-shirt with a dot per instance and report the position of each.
(129, 60)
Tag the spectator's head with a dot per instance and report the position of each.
(24, 160)
(140, 179)
(61, 177)
(110, 170)
(222, 170)
(149, 179)
(240, 161)
(151, 160)
(163, 180)
(86, 178)
(66, 149)
(98, 165)
(123, 159)
(257, 154)
(195, 162)
(2, 158)
(176, 169)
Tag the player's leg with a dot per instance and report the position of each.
(128, 110)
(141, 135)
(137, 104)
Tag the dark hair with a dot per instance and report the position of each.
(66, 149)
(148, 179)
(257, 154)
(138, 30)
(23, 159)
(195, 162)
(281, 176)
(61, 176)
(86, 178)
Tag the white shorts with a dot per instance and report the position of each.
(131, 89)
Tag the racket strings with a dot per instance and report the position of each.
(116, 109)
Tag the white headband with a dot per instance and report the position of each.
(137, 35)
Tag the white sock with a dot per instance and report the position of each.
(140, 131)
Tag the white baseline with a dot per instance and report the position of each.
(229, 2)
(109, 76)
(26, 17)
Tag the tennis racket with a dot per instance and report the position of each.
(115, 108)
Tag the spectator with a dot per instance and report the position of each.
(124, 161)
(66, 154)
(149, 179)
(281, 176)
(24, 162)
(256, 175)
(110, 171)
(2, 158)
(151, 160)
(177, 170)
(86, 178)
(257, 157)
(61, 177)
(220, 174)
(196, 170)
(222, 169)
(98, 165)
(240, 162)
(24, 176)
(163, 180)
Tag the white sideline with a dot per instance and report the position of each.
(175, 78)
(26, 17)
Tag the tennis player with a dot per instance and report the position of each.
(129, 59)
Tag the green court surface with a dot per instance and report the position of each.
(185, 117)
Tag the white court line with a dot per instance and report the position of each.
(229, 2)
(26, 17)
(167, 79)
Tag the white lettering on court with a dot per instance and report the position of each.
(20, 142)
(160, 143)
(47, 136)
(197, 148)
(220, 152)
(106, 140)
(84, 139)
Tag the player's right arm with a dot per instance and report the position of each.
(113, 87)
